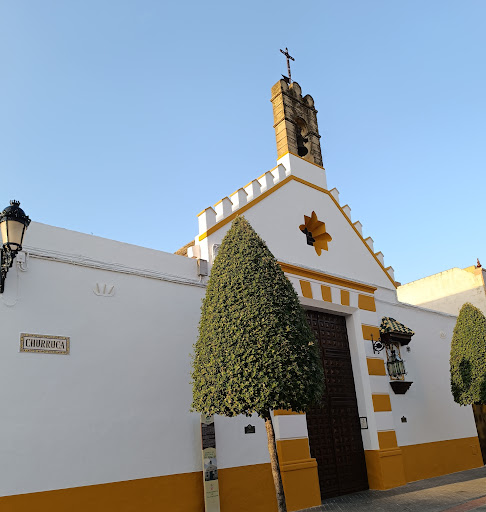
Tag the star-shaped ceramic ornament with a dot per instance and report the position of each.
(315, 231)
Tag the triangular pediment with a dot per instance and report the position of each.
(301, 221)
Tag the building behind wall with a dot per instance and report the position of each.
(108, 427)
(447, 291)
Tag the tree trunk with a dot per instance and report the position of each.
(277, 477)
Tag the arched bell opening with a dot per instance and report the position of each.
(301, 135)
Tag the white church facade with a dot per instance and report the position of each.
(104, 424)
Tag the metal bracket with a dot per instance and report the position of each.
(6, 260)
(378, 345)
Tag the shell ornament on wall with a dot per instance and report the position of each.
(315, 231)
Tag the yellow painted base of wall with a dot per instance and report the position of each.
(393, 467)
(385, 468)
(299, 474)
(242, 489)
(251, 487)
(440, 458)
(177, 493)
(301, 484)
(247, 488)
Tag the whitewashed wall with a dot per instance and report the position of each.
(431, 413)
(117, 407)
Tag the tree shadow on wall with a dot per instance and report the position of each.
(462, 384)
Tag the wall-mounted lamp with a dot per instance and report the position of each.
(396, 368)
(13, 224)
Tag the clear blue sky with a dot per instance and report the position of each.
(125, 118)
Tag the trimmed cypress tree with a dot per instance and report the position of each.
(468, 357)
(255, 350)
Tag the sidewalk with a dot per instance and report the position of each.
(459, 492)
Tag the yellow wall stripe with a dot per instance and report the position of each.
(293, 450)
(326, 293)
(285, 412)
(366, 302)
(392, 467)
(376, 366)
(265, 194)
(387, 439)
(344, 297)
(305, 286)
(440, 458)
(241, 489)
(299, 474)
(381, 402)
(385, 468)
(173, 492)
(243, 209)
(325, 278)
(369, 330)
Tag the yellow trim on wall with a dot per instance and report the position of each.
(385, 468)
(306, 288)
(381, 402)
(366, 302)
(326, 293)
(369, 330)
(242, 489)
(265, 194)
(360, 236)
(285, 412)
(440, 458)
(392, 467)
(376, 366)
(291, 450)
(325, 278)
(173, 492)
(344, 297)
(237, 491)
(243, 209)
(299, 474)
(387, 439)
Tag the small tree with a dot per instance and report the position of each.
(255, 350)
(468, 357)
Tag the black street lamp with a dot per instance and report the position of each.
(13, 223)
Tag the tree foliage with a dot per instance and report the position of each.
(468, 357)
(255, 350)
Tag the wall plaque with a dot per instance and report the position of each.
(210, 464)
(44, 343)
(363, 420)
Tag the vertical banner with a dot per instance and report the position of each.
(210, 464)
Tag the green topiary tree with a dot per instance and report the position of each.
(255, 350)
(468, 357)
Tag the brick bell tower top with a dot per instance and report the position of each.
(295, 122)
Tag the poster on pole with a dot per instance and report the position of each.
(210, 464)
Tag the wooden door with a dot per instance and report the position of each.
(334, 429)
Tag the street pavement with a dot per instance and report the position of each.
(458, 492)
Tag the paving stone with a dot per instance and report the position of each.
(432, 495)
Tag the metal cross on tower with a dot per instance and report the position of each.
(288, 56)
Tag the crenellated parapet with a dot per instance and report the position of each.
(290, 167)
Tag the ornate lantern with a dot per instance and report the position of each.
(13, 224)
(395, 366)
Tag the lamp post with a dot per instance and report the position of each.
(13, 224)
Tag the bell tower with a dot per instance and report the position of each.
(295, 122)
